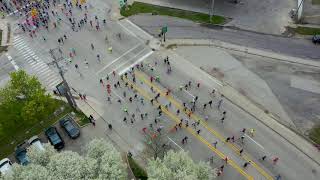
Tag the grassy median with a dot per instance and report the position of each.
(139, 7)
(306, 30)
(316, 2)
(315, 134)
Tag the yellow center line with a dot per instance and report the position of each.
(191, 131)
(204, 123)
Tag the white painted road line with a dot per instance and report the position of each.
(255, 142)
(137, 62)
(16, 67)
(189, 93)
(118, 96)
(175, 143)
(130, 32)
(148, 35)
(105, 67)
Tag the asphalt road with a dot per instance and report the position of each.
(180, 29)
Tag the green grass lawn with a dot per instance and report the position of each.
(139, 7)
(315, 134)
(306, 30)
(315, 1)
(23, 132)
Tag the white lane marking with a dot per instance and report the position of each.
(118, 95)
(20, 45)
(175, 143)
(105, 67)
(138, 61)
(255, 141)
(137, 27)
(55, 83)
(130, 32)
(120, 65)
(189, 93)
(16, 67)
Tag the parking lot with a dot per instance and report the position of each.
(70, 144)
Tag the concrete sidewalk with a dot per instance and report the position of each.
(6, 33)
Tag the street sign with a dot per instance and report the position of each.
(122, 3)
(164, 29)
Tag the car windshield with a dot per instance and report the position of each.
(53, 136)
(69, 126)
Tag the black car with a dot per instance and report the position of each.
(316, 39)
(21, 156)
(69, 126)
(54, 138)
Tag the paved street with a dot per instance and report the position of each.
(133, 93)
(183, 29)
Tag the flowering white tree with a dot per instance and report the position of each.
(102, 161)
(40, 157)
(178, 165)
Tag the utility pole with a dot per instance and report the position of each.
(211, 10)
(67, 93)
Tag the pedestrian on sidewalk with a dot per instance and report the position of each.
(263, 157)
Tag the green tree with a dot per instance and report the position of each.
(23, 101)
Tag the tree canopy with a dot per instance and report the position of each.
(23, 102)
(101, 161)
(176, 166)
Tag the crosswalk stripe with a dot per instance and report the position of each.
(19, 44)
(53, 84)
(43, 70)
(48, 76)
(38, 65)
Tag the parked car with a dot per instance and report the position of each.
(21, 155)
(54, 138)
(5, 166)
(35, 141)
(316, 39)
(70, 127)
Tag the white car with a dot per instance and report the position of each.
(5, 166)
(35, 141)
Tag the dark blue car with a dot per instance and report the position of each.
(69, 126)
(21, 155)
(54, 138)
